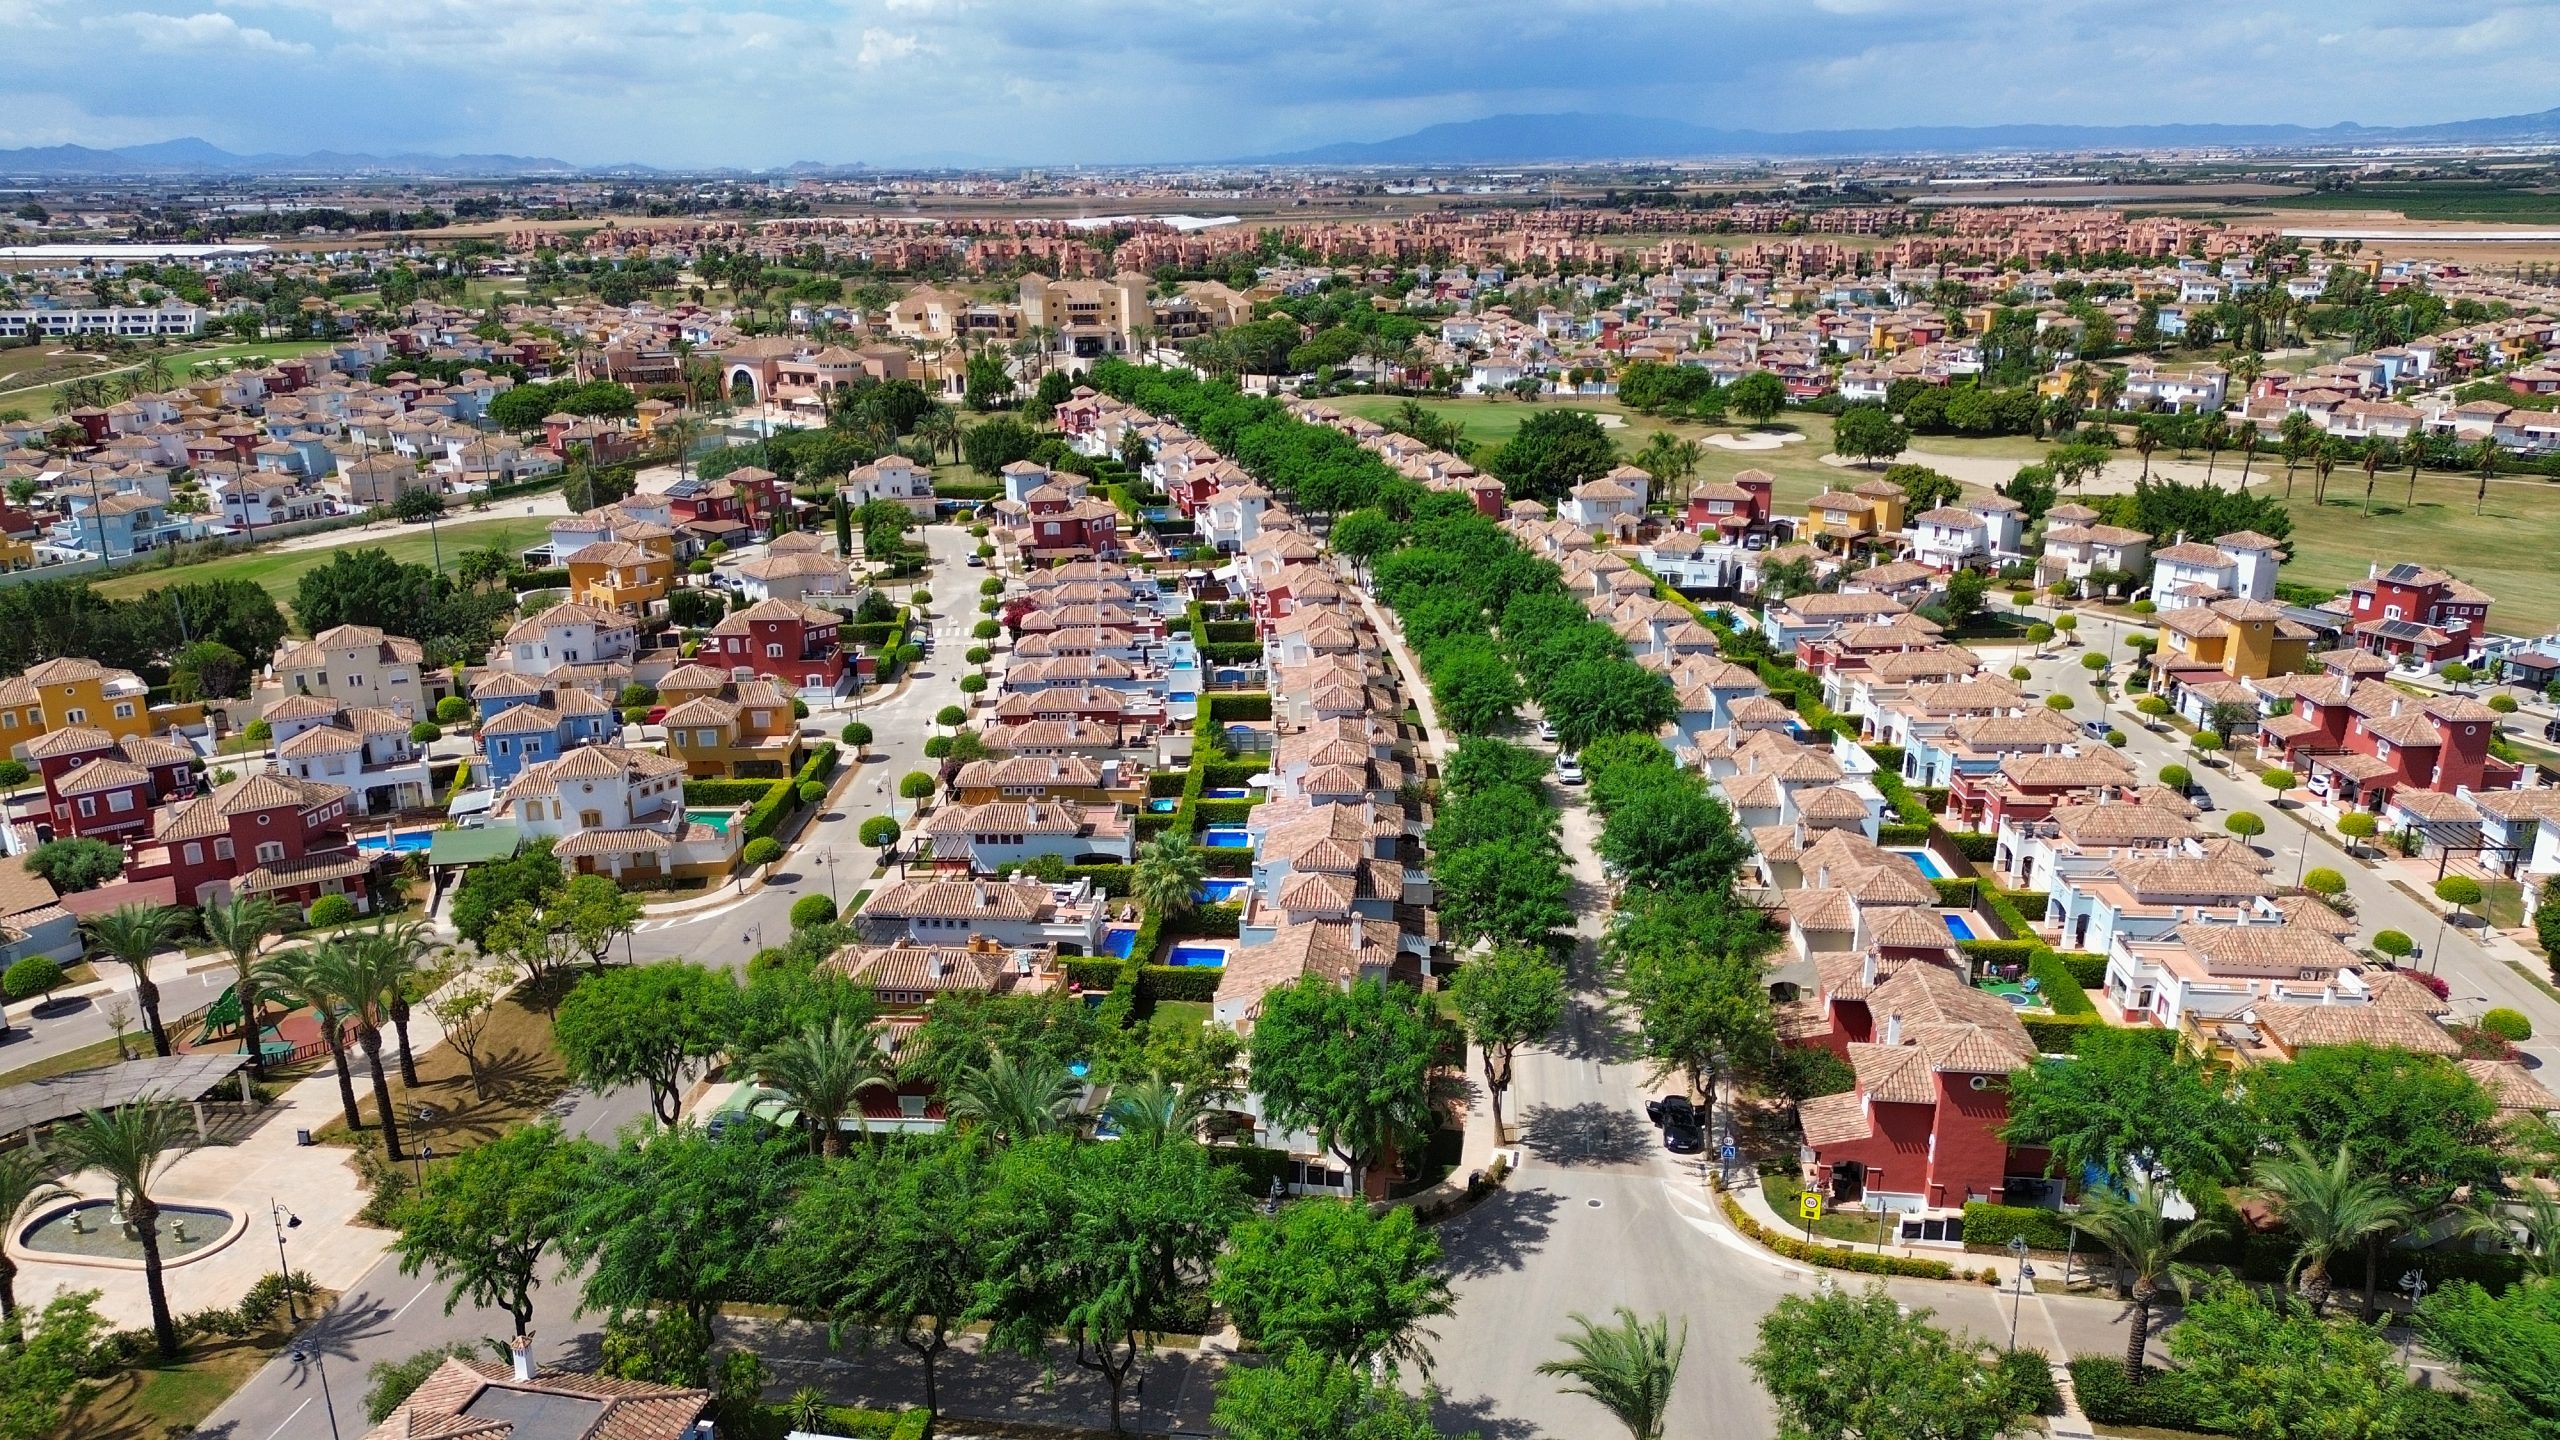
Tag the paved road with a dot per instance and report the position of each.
(388, 1315)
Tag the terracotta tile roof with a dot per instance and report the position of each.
(469, 1400)
(2302, 1027)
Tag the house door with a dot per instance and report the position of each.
(1848, 1181)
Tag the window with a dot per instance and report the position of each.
(76, 717)
(88, 805)
(195, 854)
(221, 849)
(706, 737)
(124, 710)
(270, 851)
(591, 819)
(120, 801)
(773, 652)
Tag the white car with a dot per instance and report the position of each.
(1546, 730)
(1568, 770)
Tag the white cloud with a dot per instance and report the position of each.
(209, 30)
(880, 46)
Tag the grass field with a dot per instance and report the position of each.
(2486, 202)
(2507, 549)
(279, 570)
(46, 399)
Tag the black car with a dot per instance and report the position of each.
(1671, 1110)
(1684, 1139)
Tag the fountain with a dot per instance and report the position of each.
(68, 1232)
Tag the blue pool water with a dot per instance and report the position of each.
(1203, 955)
(1118, 943)
(401, 844)
(1182, 697)
(1226, 837)
(1220, 892)
(1228, 792)
(1163, 805)
(1928, 862)
(1959, 927)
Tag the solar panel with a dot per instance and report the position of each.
(2401, 630)
(2403, 572)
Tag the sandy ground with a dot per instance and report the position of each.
(1991, 472)
(1755, 440)
(551, 504)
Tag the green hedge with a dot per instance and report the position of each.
(2060, 1034)
(1219, 921)
(1093, 972)
(2060, 988)
(1111, 880)
(1226, 774)
(1246, 653)
(1833, 1257)
(1224, 860)
(1150, 826)
(2003, 952)
(726, 792)
(1230, 632)
(1989, 1228)
(766, 815)
(1974, 845)
(2006, 912)
(1907, 805)
(2162, 1401)
(874, 634)
(2086, 966)
(1224, 812)
(1223, 708)
(1902, 835)
(1958, 894)
(1888, 758)
(969, 491)
(1179, 982)
(1165, 784)
(821, 763)
(1258, 1164)
(554, 578)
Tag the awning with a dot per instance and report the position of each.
(474, 845)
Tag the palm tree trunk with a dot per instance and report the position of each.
(2372, 1270)
(2137, 1336)
(248, 989)
(10, 1330)
(371, 1039)
(400, 1027)
(146, 1231)
(346, 1078)
(147, 996)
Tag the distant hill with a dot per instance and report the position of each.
(1575, 136)
(191, 156)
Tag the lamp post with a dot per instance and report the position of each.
(284, 1220)
(2018, 1297)
(418, 1162)
(320, 1363)
(828, 859)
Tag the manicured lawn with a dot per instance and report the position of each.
(1853, 1227)
(521, 1071)
(154, 1400)
(1172, 1015)
(279, 570)
(2506, 550)
(45, 400)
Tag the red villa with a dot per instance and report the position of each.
(786, 641)
(2416, 613)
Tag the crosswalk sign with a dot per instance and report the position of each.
(1809, 1204)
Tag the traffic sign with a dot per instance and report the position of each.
(1809, 1204)
(1728, 1154)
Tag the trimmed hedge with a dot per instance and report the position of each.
(1905, 835)
(1989, 1228)
(1974, 845)
(2086, 966)
(1151, 826)
(1179, 982)
(1226, 774)
(2003, 952)
(2060, 988)
(726, 792)
(1833, 1257)
(2005, 910)
(1224, 812)
(2161, 1402)
(1092, 972)
(1957, 894)
(1219, 921)
(1223, 708)
(1111, 880)
(1165, 784)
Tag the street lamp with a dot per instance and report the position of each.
(828, 859)
(284, 1220)
(2026, 1272)
(419, 1161)
(320, 1363)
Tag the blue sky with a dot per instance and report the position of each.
(764, 82)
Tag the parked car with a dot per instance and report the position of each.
(1684, 1139)
(2199, 799)
(2094, 729)
(977, 562)
(1568, 770)
(1672, 1110)
(1547, 729)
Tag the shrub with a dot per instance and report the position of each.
(857, 735)
(2508, 1025)
(811, 910)
(2393, 945)
(759, 852)
(2088, 969)
(2020, 673)
(2093, 662)
(2502, 704)
(2244, 824)
(2116, 738)
(2460, 891)
(2031, 1374)
(2162, 1401)
(2057, 702)
(2206, 742)
(452, 710)
(937, 747)
(2324, 882)
(799, 709)
(35, 977)
(330, 910)
(2177, 777)
(812, 791)
(2278, 780)
(1179, 982)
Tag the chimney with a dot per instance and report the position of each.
(983, 897)
(520, 1354)
(1893, 1028)
(935, 965)
(1867, 969)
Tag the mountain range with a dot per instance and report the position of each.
(191, 156)
(1574, 136)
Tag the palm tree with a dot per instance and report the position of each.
(2132, 1228)
(1016, 1101)
(130, 935)
(129, 1145)
(2376, 454)
(408, 941)
(1154, 1110)
(2146, 438)
(361, 972)
(2484, 457)
(2324, 460)
(2248, 441)
(23, 1180)
(938, 427)
(1628, 1366)
(238, 927)
(1167, 875)
(2297, 433)
(680, 433)
(2213, 435)
(296, 976)
(823, 1070)
(2330, 1209)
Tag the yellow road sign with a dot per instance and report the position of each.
(1809, 1204)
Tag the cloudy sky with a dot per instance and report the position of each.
(764, 82)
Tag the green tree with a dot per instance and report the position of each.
(1304, 1396)
(486, 1219)
(915, 785)
(1328, 1276)
(364, 587)
(531, 876)
(1699, 1014)
(2282, 1372)
(1474, 689)
(1865, 433)
(2244, 824)
(2357, 827)
(1843, 1366)
(75, 863)
(880, 833)
(1608, 695)
(1350, 1066)
(2121, 1096)
(1673, 835)
(1509, 891)
(1099, 1244)
(1364, 535)
(647, 1025)
(131, 935)
(1756, 397)
(2461, 892)
(208, 670)
(678, 1218)
(2131, 1226)
(1510, 996)
(824, 1071)
(36, 977)
(595, 912)
(394, 1381)
(2502, 1344)
(297, 976)
(1551, 452)
(43, 1374)
(24, 1181)
(2328, 1209)
(360, 972)
(1014, 1100)
(1628, 1367)
(893, 1240)
(1167, 876)
(129, 1146)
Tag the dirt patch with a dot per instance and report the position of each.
(520, 1071)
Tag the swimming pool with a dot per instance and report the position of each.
(1929, 863)
(1218, 891)
(716, 819)
(407, 842)
(1163, 805)
(1228, 792)
(1198, 955)
(1958, 925)
(1118, 943)
(1226, 837)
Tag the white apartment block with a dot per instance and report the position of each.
(120, 320)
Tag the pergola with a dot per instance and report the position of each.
(181, 1079)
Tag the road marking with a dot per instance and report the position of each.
(414, 1299)
(289, 1419)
